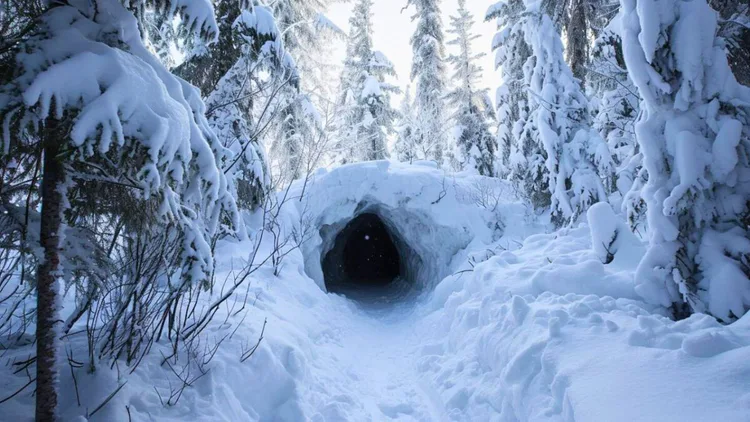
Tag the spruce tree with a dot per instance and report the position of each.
(104, 115)
(297, 121)
(614, 104)
(428, 74)
(693, 131)
(475, 143)
(262, 62)
(404, 145)
(366, 117)
(554, 153)
(521, 158)
(307, 36)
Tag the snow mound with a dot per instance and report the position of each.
(430, 215)
(544, 330)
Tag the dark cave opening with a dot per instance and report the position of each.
(365, 260)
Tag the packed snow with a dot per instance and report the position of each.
(514, 323)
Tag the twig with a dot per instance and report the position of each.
(18, 391)
(245, 356)
(104, 403)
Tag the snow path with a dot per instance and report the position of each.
(376, 352)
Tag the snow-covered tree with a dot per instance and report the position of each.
(307, 36)
(262, 61)
(404, 146)
(558, 110)
(428, 73)
(577, 29)
(305, 32)
(474, 141)
(614, 106)
(204, 66)
(552, 147)
(85, 95)
(580, 21)
(694, 132)
(366, 117)
(298, 123)
(519, 159)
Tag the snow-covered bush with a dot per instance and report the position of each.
(605, 230)
(693, 132)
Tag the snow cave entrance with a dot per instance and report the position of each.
(370, 262)
(381, 255)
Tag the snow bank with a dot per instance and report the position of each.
(543, 330)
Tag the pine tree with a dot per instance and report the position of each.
(553, 153)
(366, 116)
(262, 62)
(558, 110)
(579, 20)
(105, 116)
(203, 66)
(614, 105)
(521, 159)
(473, 138)
(428, 73)
(297, 123)
(404, 146)
(693, 131)
(306, 36)
(577, 37)
(376, 96)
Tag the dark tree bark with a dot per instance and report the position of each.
(578, 42)
(47, 276)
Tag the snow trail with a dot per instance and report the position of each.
(375, 352)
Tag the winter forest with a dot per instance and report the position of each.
(244, 210)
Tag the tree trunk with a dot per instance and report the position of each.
(577, 39)
(47, 276)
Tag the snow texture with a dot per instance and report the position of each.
(525, 326)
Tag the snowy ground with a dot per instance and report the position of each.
(526, 326)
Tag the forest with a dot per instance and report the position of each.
(237, 210)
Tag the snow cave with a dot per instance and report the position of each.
(380, 233)
(366, 260)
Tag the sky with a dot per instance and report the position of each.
(393, 29)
